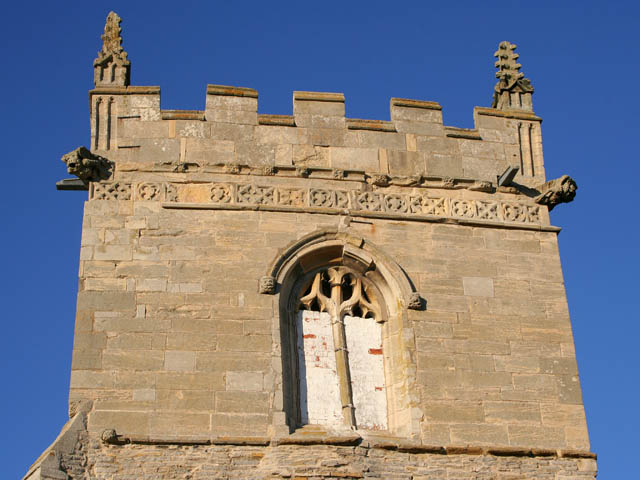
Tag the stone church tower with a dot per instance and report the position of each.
(310, 296)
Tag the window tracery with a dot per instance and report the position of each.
(341, 367)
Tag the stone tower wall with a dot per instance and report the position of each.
(190, 248)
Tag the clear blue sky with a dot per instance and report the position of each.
(582, 58)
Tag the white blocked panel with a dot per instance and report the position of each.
(364, 342)
(319, 387)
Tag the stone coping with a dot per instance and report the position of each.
(318, 96)
(230, 91)
(468, 133)
(279, 120)
(517, 114)
(374, 441)
(376, 125)
(130, 90)
(407, 102)
(182, 115)
(352, 123)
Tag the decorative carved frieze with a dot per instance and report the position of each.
(328, 198)
(111, 191)
(255, 194)
(220, 193)
(294, 197)
(512, 212)
(171, 193)
(487, 210)
(404, 205)
(463, 208)
(534, 214)
(396, 203)
(435, 206)
(148, 191)
(369, 201)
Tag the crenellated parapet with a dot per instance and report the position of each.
(129, 124)
(414, 149)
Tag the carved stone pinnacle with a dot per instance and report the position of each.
(112, 67)
(510, 80)
(87, 166)
(558, 190)
(267, 285)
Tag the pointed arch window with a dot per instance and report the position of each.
(346, 350)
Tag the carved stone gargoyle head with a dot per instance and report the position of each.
(558, 190)
(87, 166)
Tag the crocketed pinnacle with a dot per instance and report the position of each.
(510, 79)
(112, 65)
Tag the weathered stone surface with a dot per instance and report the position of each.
(112, 67)
(444, 293)
(512, 89)
(87, 166)
(558, 190)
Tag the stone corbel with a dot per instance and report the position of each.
(558, 190)
(415, 302)
(267, 285)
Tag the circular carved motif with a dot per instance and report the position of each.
(395, 203)
(148, 191)
(220, 194)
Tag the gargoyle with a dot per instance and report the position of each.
(87, 166)
(558, 190)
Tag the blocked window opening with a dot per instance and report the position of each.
(339, 352)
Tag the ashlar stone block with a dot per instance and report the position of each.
(478, 286)
(245, 381)
(179, 361)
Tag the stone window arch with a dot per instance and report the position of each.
(354, 296)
